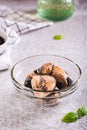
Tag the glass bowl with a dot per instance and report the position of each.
(21, 69)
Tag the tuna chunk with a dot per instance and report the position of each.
(46, 69)
(60, 75)
(43, 83)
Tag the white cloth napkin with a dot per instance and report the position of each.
(5, 60)
(20, 22)
(12, 39)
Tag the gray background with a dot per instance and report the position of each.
(18, 112)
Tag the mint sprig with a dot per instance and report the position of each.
(74, 116)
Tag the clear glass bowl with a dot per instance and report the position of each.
(27, 65)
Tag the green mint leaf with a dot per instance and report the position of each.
(70, 117)
(58, 37)
(82, 111)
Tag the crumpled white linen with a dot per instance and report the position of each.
(5, 57)
(16, 23)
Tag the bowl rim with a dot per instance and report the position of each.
(30, 89)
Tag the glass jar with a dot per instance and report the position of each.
(55, 9)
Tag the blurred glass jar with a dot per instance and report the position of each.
(55, 9)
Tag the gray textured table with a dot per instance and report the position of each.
(18, 112)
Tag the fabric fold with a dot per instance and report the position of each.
(16, 23)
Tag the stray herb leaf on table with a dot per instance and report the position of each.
(82, 111)
(58, 37)
(70, 117)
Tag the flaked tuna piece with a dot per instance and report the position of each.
(46, 69)
(43, 84)
(47, 78)
(61, 77)
(30, 75)
(27, 81)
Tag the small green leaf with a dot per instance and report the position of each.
(70, 117)
(58, 37)
(82, 111)
(74, 116)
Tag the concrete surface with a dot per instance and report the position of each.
(18, 112)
